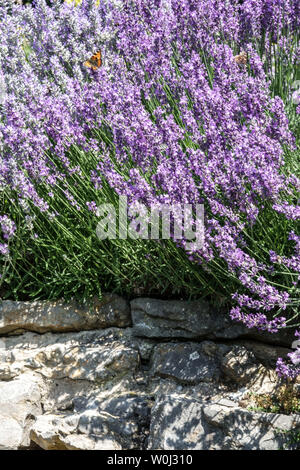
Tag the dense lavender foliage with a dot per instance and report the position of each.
(171, 117)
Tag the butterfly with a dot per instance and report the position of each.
(242, 58)
(94, 62)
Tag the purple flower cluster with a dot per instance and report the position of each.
(262, 18)
(8, 228)
(187, 123)
(290, 371)
(47, 104)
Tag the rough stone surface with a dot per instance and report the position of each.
(173, 319)
(154, 318)
(265, 353)
(96, 356)
(168, 382)
(185, 363)
(20, 403)
(121, 422)
(58, 316)
(58, 432)
(188, 424)
(126, 417)
(239, 364)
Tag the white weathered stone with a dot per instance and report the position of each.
(88, 355)
(19, 405)
(56, 432)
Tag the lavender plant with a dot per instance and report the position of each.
(219, 130)
(171, 117)
(290, 370)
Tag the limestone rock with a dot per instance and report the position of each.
(59, 395)
(95, 356)
(239, 364)
(119, 422)
(267, 354)
(19, 406)
(177, 423)
(125, 416)
(247, 430)
(170, 319)
(58, 316)
(57, 432)
(186, 424)
(154, 318)
(187, 363)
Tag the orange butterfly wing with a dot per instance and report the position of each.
(242, 58)
(95, 61)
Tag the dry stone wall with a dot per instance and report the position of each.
(149, 374)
